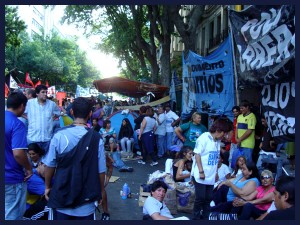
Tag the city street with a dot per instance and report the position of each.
(129, 209)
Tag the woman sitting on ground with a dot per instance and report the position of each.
(109, 135)
(35, 154)
(264, 195)
(242, 187)
(240, 161)
(126, 135)
(180, 171)
(154, 207)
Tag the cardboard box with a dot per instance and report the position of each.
(143, 196)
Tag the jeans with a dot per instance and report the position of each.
(161, 145)
(203, 197)
(60, 216)
(249, 210)
(169, 140)
(15, 201)
(247, 153)
(126, 141)
(148, 143)
(118, 161)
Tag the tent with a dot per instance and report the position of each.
(116, 122)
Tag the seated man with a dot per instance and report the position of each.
(154, 207)
(284, 200)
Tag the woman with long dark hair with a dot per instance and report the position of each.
(126, 135)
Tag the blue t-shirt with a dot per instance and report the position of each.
(15, 139)
(36, 184)
(231, 195)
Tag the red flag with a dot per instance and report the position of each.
(28, 80)
(38, 83)
(47, 85)
(6, 90)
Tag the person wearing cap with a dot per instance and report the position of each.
(262, 198)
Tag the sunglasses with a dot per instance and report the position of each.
(265, 177)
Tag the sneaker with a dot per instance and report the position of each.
(153, 163)
(142, 162)
(105, 216)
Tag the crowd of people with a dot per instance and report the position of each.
(44, 159)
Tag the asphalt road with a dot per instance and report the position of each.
(128, 209)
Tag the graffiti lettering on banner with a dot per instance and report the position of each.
(278, 106)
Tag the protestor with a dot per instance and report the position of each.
(95, 125)
(17, 166)
(160, 132)
(35, 154)
(181, 173)
(138, 121)
(240, 161)
(204, 169)
(41, 113)
(172, 119)
(109, 135)
(126, 135)
(267, 146)
(245, 135)
(154, 207)
(146, 135)
(99, 113)
(263, 197)
(189, 132)
(241, 187)
(284, 199)
(79, 175)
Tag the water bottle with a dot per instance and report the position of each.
(125, 191)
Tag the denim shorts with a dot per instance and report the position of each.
(15, 201)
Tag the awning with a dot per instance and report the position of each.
(137, 107)
(129, 88)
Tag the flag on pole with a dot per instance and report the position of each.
(37, 83)
(13, 83)
(6, 90)
(28, 80)
(47, 84)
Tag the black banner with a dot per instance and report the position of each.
(264, 44)
(278, 106)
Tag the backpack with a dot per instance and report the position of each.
(76, 180)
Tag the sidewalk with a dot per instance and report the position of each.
(128, 209)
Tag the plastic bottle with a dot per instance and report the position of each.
(125, 191)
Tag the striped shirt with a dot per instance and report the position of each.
(40, 120)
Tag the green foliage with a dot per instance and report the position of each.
(54, 59)
(13, 26)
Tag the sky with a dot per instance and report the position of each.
(106, 64)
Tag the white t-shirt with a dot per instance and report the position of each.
(223, 171)
(152, 206)
(170, 118)
(209, 150)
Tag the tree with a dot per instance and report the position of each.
(135, 33)
(187, 30)
(13, 27)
